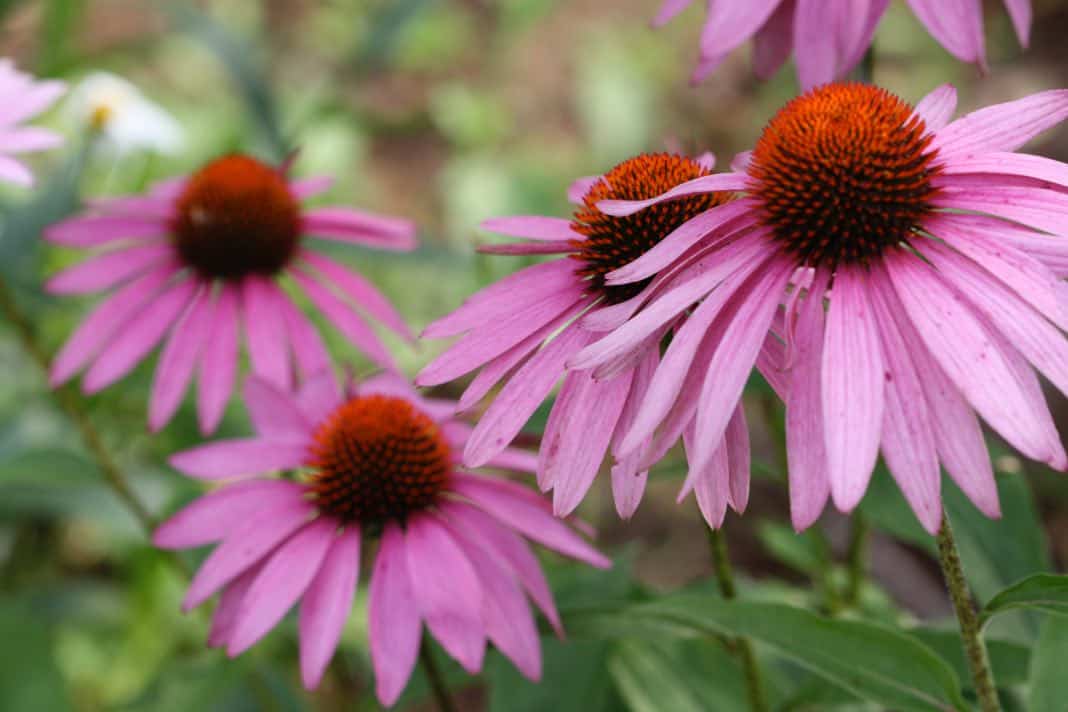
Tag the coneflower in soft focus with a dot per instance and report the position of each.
(21, 98)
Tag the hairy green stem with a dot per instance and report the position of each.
(721, 565)
(437, 682)
(970, 633)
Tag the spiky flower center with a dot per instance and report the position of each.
(612, 242)
(236, 217)
(842, 173)
(378, 458)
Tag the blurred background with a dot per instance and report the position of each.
(448, 112)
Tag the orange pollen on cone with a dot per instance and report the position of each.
(842, 173)
(612, 242)
(378, 458)
(236, 216)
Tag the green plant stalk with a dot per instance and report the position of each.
(721, 565)
(970, 633)
(72, 406)
(437, 682)
(857, 557)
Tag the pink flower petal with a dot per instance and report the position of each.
(218, 362)
(265, 330)
(96, 230)
(1002, 163)
(773, 42)
(710, 482)
(360, 228)
(326, 605)
(447, 590)
(956, 24)
(109, 270)
(729, 24)
(319, 396)
(274, 413)
(628, 477)
(669, 9)
(1036, 207)
(304, 188)
(533, 227)
(738, 459)
(936, 109)
(240, 457)
(716, 183)
(308, 349)
(527, 248)
(393, 618)
(179, 358)
(1020, 12)
(576, 192)
(1002, 127)
(222, 621)
(363, 294)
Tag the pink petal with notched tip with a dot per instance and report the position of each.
(447, 590)
(533, 227)
(554, 424)
(936, 109)
(816, 49)
(716, 183)
(96, 230)
(139, 336)
(218, 361)
(282, 580)
(855, 31)
(274, 413)
(102, 323)
(628, 476)
(109, 270)
(179, 358)
(511, 550)
(326, 605)
(268, 348)
(852, 384)
(521, 396)
(392, 617)
(345, 319)
(527, 513)
(213, 516)
(241, 457)
(363, 294)
(1002, 127)
(245, 546)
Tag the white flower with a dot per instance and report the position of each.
(125, 119)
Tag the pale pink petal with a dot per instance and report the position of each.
(274, 413)
(729, 24)
(576, 192)
(308, 349)
(304, 188)
(34, 99)
(816, 50)
(533, 227)
(1002, 127)
(392, 617)
(245, 546)
(347, 321)
(524, 511)
(852, 380)
(15, 172)
(218, 361)
(240, 457)
(447, 590)
(265, 331)
(710, 482)
(856, 30)
(28, 139)
(936, 109)
(282, 580)
(102, 323)
(213, 516)
(179, 358)
(956, 24)
(994, 164)
(326, 605)
(628, 477)
(363, 294)
(109, 270)
(774, 41)
(1020, 12)
(96, 230)
(738, 459)
(716, 183)
(353, 226)
(139, 336)
(668, 10)
(1036, 207)
(521, 396)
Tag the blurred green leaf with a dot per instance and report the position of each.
(1044, 592)
(29, 677)
(678, 675)
(59, 24)
(47, 466)
(1049, 684)
(1010, 660)
(575, 678)
(805, 552)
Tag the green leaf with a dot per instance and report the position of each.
(1043, 592)
(574, 679)
(677, 675)
(1049, 684)
(871, 661)
(29, 677)
(806, 552)
(1010, 660)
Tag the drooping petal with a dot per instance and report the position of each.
(774, 41)
(268, 348)
(308, 348)
(710, 481)
(96, 230)
(357, 227)
(326, 605)
(109, 270)
(716, 183)
(218, 361)
(393, 617)
(533, 227)
(738, 459)
(729, 24)
(669, 9)
(363, 294)
(222, 621)
(956, 24)
(274, 413)
(1020, 12)
(179, 358)
(628, 477)
(240, 457)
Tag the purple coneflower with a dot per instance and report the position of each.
(829, 37)
(920, 263)
(196, 262)
(378, 463)
(523, 330)
(21, 98)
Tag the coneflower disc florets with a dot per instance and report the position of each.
(612, 242)
(842, 173)
(378, 458)
(236, 216)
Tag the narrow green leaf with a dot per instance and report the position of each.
(1049, 684)
(574, 679)
(1009, 659)
(874, 662)
(1043, 592)
(29, 677)
(677, 675)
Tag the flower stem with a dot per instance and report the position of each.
(72, 406)
(857, 558)
(437, 682)
(721, 564)
(974, 647)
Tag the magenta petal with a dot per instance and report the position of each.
(308, 348)
(576, 192)
(304, 188)
(357, 227)
(222, 621)
(213, 516)
(139, 336)
(995, 164)
(1020, 12)
(447, 590)
(718, 182)
(738, 459)
(281, 581)
(527, 248)
(245, 546)
(319, 396)
(240, 457)
(1002, 127)
(393, 617)
(266, 332)
(108, 270)
(815, 53)
(533, 227)
(179, 358)
(936, 109)
(628, 476)
(274, 413)
(326, 605)
(710, 482)
(362, 293)
(729, 24)
(526, 512)
(96, 230)
(956, 24)
(774, 41)
(218, 361)
(852, 388)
